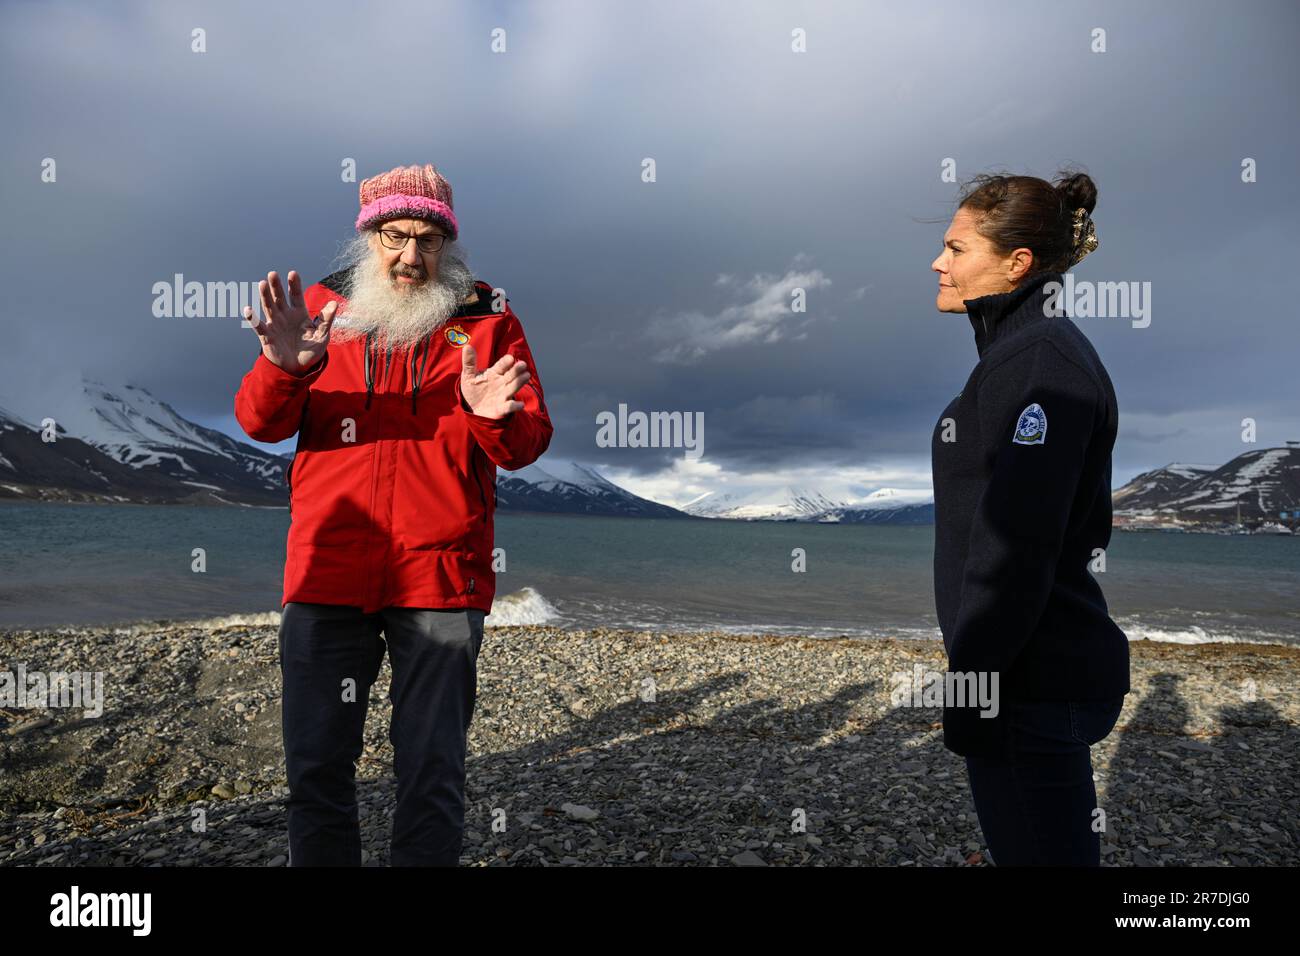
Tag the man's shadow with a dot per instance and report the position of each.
(759, 781)
(1174, 799)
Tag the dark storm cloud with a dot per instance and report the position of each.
(771, 167)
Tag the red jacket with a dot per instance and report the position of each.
(393, 486)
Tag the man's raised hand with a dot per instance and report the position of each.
(290, 337)
(490, 392)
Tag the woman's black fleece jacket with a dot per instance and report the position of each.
(1022, 477)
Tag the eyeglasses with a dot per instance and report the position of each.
(392, 239)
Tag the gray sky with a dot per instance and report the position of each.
(774, 169)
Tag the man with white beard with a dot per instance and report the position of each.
(408, 383)
(396, 298)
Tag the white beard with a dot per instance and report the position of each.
(399, 315)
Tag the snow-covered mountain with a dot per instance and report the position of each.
(886, 506)
(1262, 484)
(69, 469)
(123, 444)
(883, 506)
(137, 429)
(1159, 484)
(570, 488)
(165, 456)
(780, 504)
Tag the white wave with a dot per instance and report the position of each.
(255, 619)
(216, 622)
(522, 607)
(258, 619)
(1195, 635)
(818, 631)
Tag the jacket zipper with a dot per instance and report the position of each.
(374, 482)
(482, 493)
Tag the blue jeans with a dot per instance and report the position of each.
(1036, 801)
(329, 658)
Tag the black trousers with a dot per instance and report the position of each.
(329, 658)
(1036, 801)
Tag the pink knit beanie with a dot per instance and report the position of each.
(407, 192)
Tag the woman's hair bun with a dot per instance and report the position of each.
(1076, 189)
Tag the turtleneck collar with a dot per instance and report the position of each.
(994, 316)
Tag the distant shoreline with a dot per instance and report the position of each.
(1115, 525)
(135, 625)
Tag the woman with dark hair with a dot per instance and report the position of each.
(1021, 511)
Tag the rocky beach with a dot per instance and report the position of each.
(614, 747)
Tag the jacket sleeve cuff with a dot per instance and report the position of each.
(479, 421)
(271, 373)
(967, 733)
